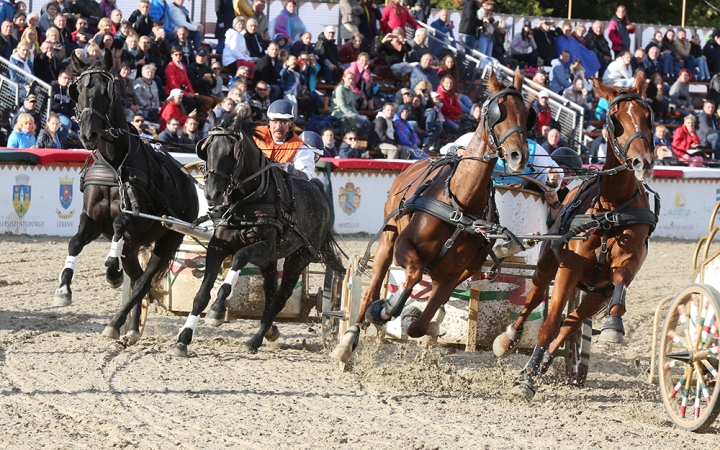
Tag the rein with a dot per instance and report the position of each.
(620, 150)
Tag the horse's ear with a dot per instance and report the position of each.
(73, 92)
(77, 63)
(493, 83)
(108, 61)
(518, 80)
(237, 124)
(640, 83)
(211, 119)
(601, 90)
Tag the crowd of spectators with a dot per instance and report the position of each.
(169, 80)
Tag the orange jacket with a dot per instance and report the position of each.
(284, 152)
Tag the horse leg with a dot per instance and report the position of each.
(565, 283)
(591, 304)
(270, 286)
(613, 330)
(381, 264)
(258, 252)
(114, 273)
(162, 252)
(440, 295)
(213, 261)
(547, 267)
(292, 269)
(134, 271)
(88, 231)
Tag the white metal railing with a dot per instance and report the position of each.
(16, 85)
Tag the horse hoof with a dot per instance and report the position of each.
(505, 342)
(62, 297)
(374, 313)
(349, 341)
(249, 347)
(272, 334)
(523, 392)
(113, 281)
(214, 318)
(132, 337)
(611, 336)
(178, 349)
(112, 333)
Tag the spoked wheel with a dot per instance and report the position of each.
(688, 358)
(329, 300)
(577, 345)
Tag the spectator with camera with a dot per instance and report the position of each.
(176, 78)
(396, 16)
(396, 51)
(544, 35)
(487, 28)
(523, 48)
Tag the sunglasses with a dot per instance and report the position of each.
(261, 89)
(216, 69)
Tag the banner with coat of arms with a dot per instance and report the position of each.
(21, 195)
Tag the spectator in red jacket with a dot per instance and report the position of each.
(395, 15)
(449, 104)
(176, 77)
(544, 113)
(686, 143)
(619, 31)
(173, 108)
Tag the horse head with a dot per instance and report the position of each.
(94, 93)
(629, 124)
(507, 121)
(230, 156)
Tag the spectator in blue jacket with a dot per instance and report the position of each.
(443, 23)
(23, 135)
(160, 12)
(424, 72)
(406, 136)
(561, 74)
(180, 17)
(7, 10)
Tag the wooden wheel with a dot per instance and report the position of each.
(688, 358)
(577, 345)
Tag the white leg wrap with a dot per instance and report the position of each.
(231, 278)
(70, 263)
(116, 248)
(191, 323)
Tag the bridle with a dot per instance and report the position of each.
(107, 126)
(620, 150)
(238, 150)
(491, 115)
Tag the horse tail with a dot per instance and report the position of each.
(330, 252)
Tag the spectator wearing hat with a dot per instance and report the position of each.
(545, 34)
(327, 55)
(619, 31)
(82, 38)
(403, 97)
(711, 51)
(709, 128)
(396, 16)
(279, 142)
(288, 23)
(173, 108)
(28, 107)
(543, 111)
(595, 41)
(202, 77)
(523, 48)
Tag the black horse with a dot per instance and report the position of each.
(261, 214)
(127, 175)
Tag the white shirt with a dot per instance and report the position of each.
(235, 48)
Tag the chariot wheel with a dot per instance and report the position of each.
(688, 358)
(577, 345)
(329, 303)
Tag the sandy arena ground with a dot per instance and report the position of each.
(62, 385)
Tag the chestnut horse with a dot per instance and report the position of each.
(432, 232)
(613, 211)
